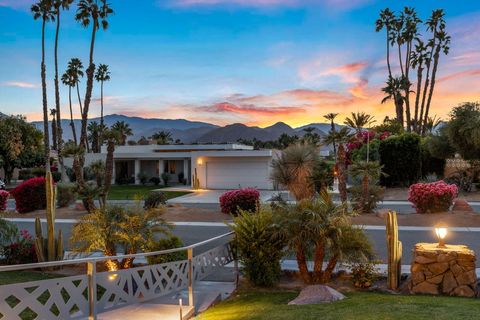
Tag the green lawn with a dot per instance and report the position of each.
(24, 276)
(358, 306)
(129, 192)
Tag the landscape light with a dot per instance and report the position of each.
(180, 303)
(441, 233)
(199, 161)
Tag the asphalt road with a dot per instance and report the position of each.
(195, 234)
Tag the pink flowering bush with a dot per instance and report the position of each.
(432, 197)
(30, 195)
(3, 199)
(247, 199)
(20, 251)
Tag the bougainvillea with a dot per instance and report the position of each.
(247, 199)
(30, 195)
(3, 199)
(21, 251)
(432, 197)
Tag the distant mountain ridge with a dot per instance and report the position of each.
(195, 131)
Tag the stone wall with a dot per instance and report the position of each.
(446, 271)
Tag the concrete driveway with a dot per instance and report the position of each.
(212, 196)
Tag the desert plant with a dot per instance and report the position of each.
(294, 169)
(363, 274)
(368, 172)
(165, 178)
(30, 195)
(462, 179)
(368, 204)
(432, 197)
(4, 195)
(247, 199)
(322, 175)
(259, 246)
(66, 194)
(155, 180)
(143, 177)
(154, 200)
(171, 242)
(8, 232)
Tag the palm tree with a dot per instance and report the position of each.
(102, 75)
(358, 121)
(386, 20)
(162, 137)
(53, 113)
(341, 137)
(75, 70)
(43, 10)
(294, 168)
(94, 136)
(331, 117)
(393, 89)
(368, 171)
(418, 60)
(111, 137)
(95, 12)
(311, 137)
(68, 79)
(431, 124)
(123, 130)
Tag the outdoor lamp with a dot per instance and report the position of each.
(441, 233)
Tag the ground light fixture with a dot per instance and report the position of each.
(441, 233)
(180, 303)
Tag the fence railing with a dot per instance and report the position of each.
(84, 296)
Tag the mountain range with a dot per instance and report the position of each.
(195, 131)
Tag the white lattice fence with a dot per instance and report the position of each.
(211, 261)
(62, 298)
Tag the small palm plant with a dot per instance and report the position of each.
(368, 171)
(341, 138)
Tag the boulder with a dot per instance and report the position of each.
(425, 288)
(317, 294)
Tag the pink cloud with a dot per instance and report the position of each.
(460, 75)
(251, 109)
(20, 84)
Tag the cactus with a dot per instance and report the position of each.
(394, 250)
(49, 249)
(195, 180)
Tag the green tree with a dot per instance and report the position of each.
(124, 130)
(368, 171)
(341, 138)
(358, 121)
(68, 79)
(311, 137)
(331, 117)
(102, 75)
(162, 137)
(43, 10)
(95, 136)
(463, 130)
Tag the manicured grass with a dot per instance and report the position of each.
(358, 306)
(24, 276)
(130, 192)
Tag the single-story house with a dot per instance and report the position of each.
(217, 166)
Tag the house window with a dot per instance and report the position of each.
(171, 167)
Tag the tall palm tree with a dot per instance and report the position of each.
(358, 121)
(111, 137)
(393, 89)
(123, 130)
(331, 117)
(341, 137)
(93, 12)
(102, 75)
(294, 168)
(418, 60)
(162, 137)
(68, 79)
(94, 136)
(75, 69)
(43, 10)
(53, 113)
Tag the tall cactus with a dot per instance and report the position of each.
(394, 250)
(49, 249)
(195, 180)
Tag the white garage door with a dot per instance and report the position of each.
(235, 174)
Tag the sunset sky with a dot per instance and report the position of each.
(225, 61)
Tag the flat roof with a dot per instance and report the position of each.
(154, 148)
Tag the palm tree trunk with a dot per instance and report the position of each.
(72, 123)
(388, 54)
(365, 188)
(101, 103)
(89, 89)
(318, 260)
(46, 136)
(427, 83)
(108, 171)
(79, 100)
(332, 263)
(342, 179)
(57, 105)
(417, 96)
(432, 86)
(332, 125)
(302, 264)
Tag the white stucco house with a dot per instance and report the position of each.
(218, 166)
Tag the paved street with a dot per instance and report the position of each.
(195, 233)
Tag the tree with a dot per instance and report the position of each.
(324, 229)
(368, 171)
(341, 137)
(112, 137)
(53, 113)
(20, 145)
(294, 168)
(311, 137)
(358, 121)
(331, 117)
(393, 91)
(95, 136)
(43, 9)
(68, 79)
(162, 137)
(123, 130)
(93, 12)
(102, 75)
(463, 130)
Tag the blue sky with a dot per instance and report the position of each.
(226, 61)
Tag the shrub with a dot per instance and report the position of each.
(8, 232)
(259, 247)
(142, 176)
(25, 174)
(165, 178)
(430, 163)
(38, 172)
(401, 159)
(181, 177)
(154, 199)
(376, 194)
(3, 199)
(462, 179)
(432, 197)
(322, 175)
(66, 194)
(155, 180)
(165, 244)
(57, 176)
(363, 274)
(247, 199)
(21, 251)
(30, 195)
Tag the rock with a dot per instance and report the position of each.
(466, 278)
(417, 277)
(417, 267)
(436, 280)
(449, 282)
(466, 263)
(456, 269)
(464, 291)
(445, 257)
(439, 267)
(424, 260)
(425, 288)
(317, 294)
